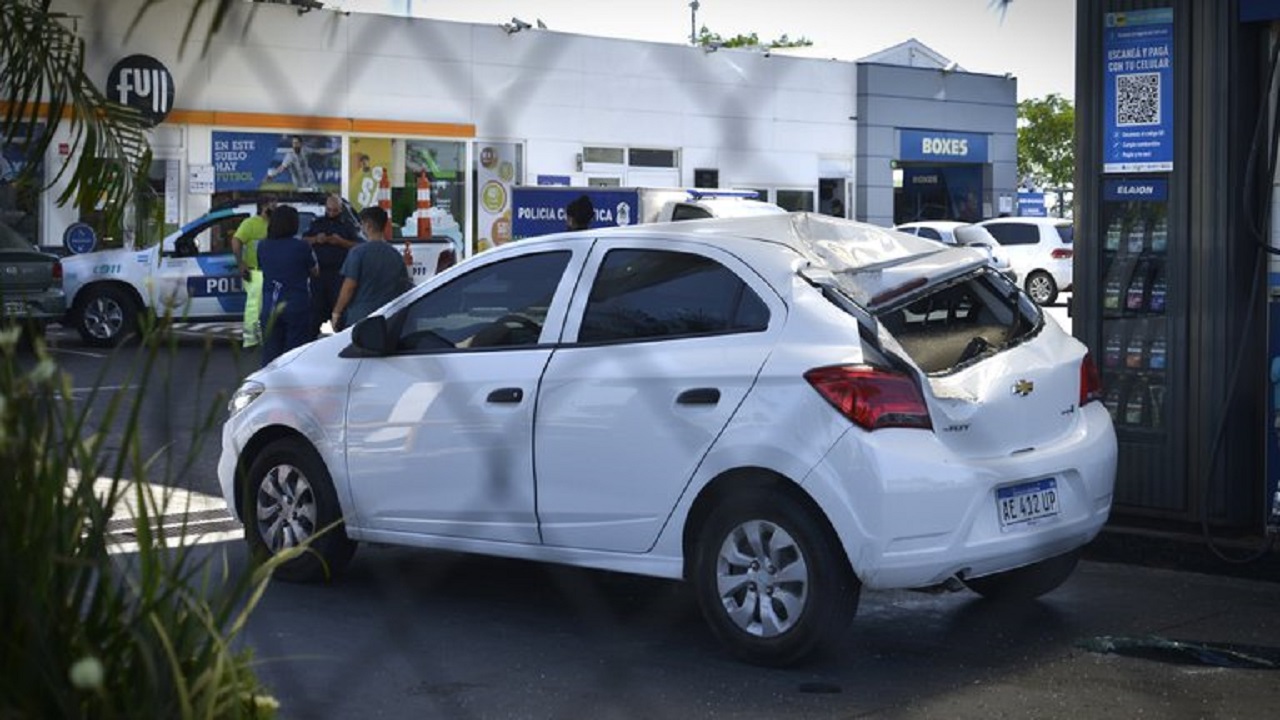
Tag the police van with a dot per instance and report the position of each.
(191, 276)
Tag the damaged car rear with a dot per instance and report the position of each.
(780, 410)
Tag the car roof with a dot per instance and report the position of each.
(935, 224)
(1056, 222)
(875, 258)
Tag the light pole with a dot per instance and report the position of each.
(693, 22)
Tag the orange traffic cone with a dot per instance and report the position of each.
(384, 191)
(424, 206)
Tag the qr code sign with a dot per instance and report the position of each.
(1138, 99)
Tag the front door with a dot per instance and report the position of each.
(440, 433)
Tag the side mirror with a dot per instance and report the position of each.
(372, 336)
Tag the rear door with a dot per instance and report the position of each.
(663, 341)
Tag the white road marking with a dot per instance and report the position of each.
(175, 516)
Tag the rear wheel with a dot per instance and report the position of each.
(771, 579)
(289, 500)
(1027, 582)
(105, 316)
(1042, 288)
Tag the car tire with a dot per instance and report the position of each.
(105, 316)
(289, 499)
(810, 596)
(1028, 582)
(1042, 288)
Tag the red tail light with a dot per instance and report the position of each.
(870, 397)
(446, 260)
(1062, 254)
(57, 270)
(1090, 381)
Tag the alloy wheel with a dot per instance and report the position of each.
(762, 578)
(103, 318)
(286, 508)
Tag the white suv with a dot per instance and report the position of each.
(1040, 251)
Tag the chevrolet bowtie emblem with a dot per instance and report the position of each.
(1023, 388)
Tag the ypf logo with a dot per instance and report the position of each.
(143, 83)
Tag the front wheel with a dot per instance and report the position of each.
(1028, 582)
(289, 500)
(1042, 288)
(771, 579)
(106, 316)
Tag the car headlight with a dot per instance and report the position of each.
(244, 395)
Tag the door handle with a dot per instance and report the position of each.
(699, 396)
(506, 395)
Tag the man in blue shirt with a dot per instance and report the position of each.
(373, 275)
(331, 236)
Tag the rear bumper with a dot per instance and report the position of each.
(913, 516)
(46, 306)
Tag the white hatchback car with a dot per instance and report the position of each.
(1040, 250)
(780, 409)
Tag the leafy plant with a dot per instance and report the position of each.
(90, 632)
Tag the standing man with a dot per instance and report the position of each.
(244, 243)
(373, 275)
(331, 237)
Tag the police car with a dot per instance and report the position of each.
(190, 276)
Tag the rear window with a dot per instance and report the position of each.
(1067, 233)
(1014, 233)
(958, 323)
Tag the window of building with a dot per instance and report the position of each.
(652, 294)
(603, 155)
(653, 158)
(796, 200)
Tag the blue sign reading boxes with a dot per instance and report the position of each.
(941, 146)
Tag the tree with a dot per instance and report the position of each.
(706, 38)
(43, 87)
(1046, 141)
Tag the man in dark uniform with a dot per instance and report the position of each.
(330, 237)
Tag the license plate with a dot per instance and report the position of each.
(14, 309)
(1026, 503)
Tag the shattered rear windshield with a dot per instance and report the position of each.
(954, 324)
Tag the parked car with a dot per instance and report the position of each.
(1040, 250)
(780, 409)
(30, 282)
(953, 232)
(192, 275)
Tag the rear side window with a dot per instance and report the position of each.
(1014, 233)
(689, 212)
(1067, 233)
(651, 294)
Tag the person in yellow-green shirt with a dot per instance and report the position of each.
(244, 243)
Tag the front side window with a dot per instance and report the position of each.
(211, 238)
(928, 232)
(503, 304)
(650, 294)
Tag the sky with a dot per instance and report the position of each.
(1033, 39)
